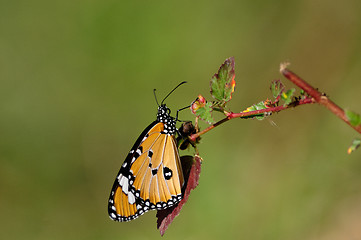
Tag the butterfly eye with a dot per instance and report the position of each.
(168, 110)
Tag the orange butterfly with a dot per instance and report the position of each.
(151, 176)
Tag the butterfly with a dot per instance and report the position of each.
(151, 176)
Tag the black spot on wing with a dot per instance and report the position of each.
(168, 173)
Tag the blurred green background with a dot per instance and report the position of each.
(76, 81)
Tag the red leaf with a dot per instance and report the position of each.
(191, 170)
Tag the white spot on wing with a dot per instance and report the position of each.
(123, 182)
(131, 198)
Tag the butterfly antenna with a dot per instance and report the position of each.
(172, 91)
(155, 96)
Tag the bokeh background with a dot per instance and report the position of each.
(76, 81)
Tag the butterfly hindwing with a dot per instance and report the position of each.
(151, 176)
(159, 178)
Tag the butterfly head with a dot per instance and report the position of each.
(164, 117)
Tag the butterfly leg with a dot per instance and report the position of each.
(176, 117)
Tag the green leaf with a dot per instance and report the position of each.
(354, 145)
(287, 96)
(277, 88)
(255, 107)
(222, 83)
(353, 118)
(198, 103)
(205, 112)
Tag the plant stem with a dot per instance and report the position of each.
(231, 115)
(318, 96)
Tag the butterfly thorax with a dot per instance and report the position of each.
(164, 117)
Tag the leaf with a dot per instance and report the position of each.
(353, 118)
(191, 170)
(203, 109)
(200, 102)
(287, 96)
(354, 145)
(258, 106)
(277, 88)
(223, 83)
(205, 113)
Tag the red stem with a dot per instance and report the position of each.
(231, 115)
(318, 96)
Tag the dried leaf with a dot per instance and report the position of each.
(191, 170)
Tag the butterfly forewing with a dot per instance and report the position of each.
(151, 177)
